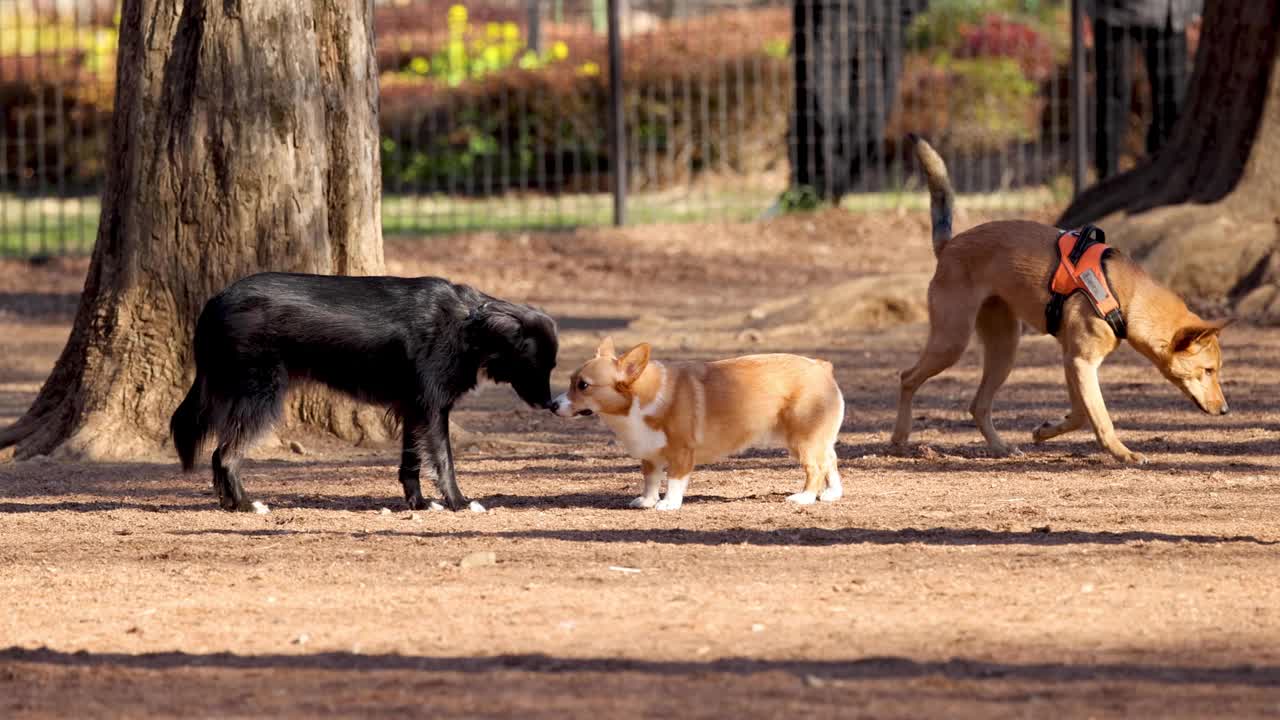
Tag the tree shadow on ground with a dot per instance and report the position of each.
(869, 668)
(799, 536)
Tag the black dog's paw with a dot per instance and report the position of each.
(458, 505)
(418, 502)
(244, 505)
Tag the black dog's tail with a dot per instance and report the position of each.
(941, 196)
(189, 425)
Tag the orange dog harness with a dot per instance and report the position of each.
(1082, 256)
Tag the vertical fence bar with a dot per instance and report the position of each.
(1079, 101)
(618, 121)
(535, 27)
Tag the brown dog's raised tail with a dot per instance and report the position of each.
(941, 195)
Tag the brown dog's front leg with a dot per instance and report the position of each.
(1082, 377)
(1073, 421)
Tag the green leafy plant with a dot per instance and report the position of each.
(994, 102)
(801, 198)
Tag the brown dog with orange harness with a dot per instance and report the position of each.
(999, 275)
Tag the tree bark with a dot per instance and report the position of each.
(1212, 140)
(1202, 213)
(245, 138)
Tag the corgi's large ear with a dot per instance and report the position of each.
(634, 362)
(1192, 337)
(605, 348)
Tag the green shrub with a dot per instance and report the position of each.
(544, 128)
(998, 104)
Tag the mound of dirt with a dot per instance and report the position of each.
(1201, 256)
(863, 303)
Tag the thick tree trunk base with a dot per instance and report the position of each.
(1205, 156)
(245, 138)
(1209, 253)
(1203, 215)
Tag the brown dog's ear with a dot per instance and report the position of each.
(1191, 337)
(634, 362)
(605, 348)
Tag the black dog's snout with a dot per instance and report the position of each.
(583, 412)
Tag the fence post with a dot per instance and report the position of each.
(535, 27)
(618, 121)
(1079, 101)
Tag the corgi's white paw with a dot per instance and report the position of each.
(643, 502)
(831, 494)
(803, 498)
(260, 508)
(668, 504)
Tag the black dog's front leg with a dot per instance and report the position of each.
(411, 465)
(440, 451)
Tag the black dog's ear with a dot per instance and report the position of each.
(494, 323)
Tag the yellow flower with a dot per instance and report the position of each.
(510, 31)
(493, 30)
(559, 50)
(420, 65)
(589, 68)
(457, 15)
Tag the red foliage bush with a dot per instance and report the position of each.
(998, 36)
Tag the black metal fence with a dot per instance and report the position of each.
(496, 113)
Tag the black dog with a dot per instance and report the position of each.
(414, 345)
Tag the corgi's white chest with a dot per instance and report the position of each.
(636, 436)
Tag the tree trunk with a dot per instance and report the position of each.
(1211, 142)
(245, 138)
(1202, 212)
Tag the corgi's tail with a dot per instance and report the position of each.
(941, 195)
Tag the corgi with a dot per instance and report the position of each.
(996, 277)
(673, 416)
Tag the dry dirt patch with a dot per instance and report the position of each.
(946, 583)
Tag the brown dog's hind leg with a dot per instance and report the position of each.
(999, 330)
(951, 322)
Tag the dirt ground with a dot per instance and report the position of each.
(945, 583)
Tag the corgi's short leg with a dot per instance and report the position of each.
(812, 430)
(675, 494)
(835, 488)
(679, 465)
(815, 477)
(652, 484)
